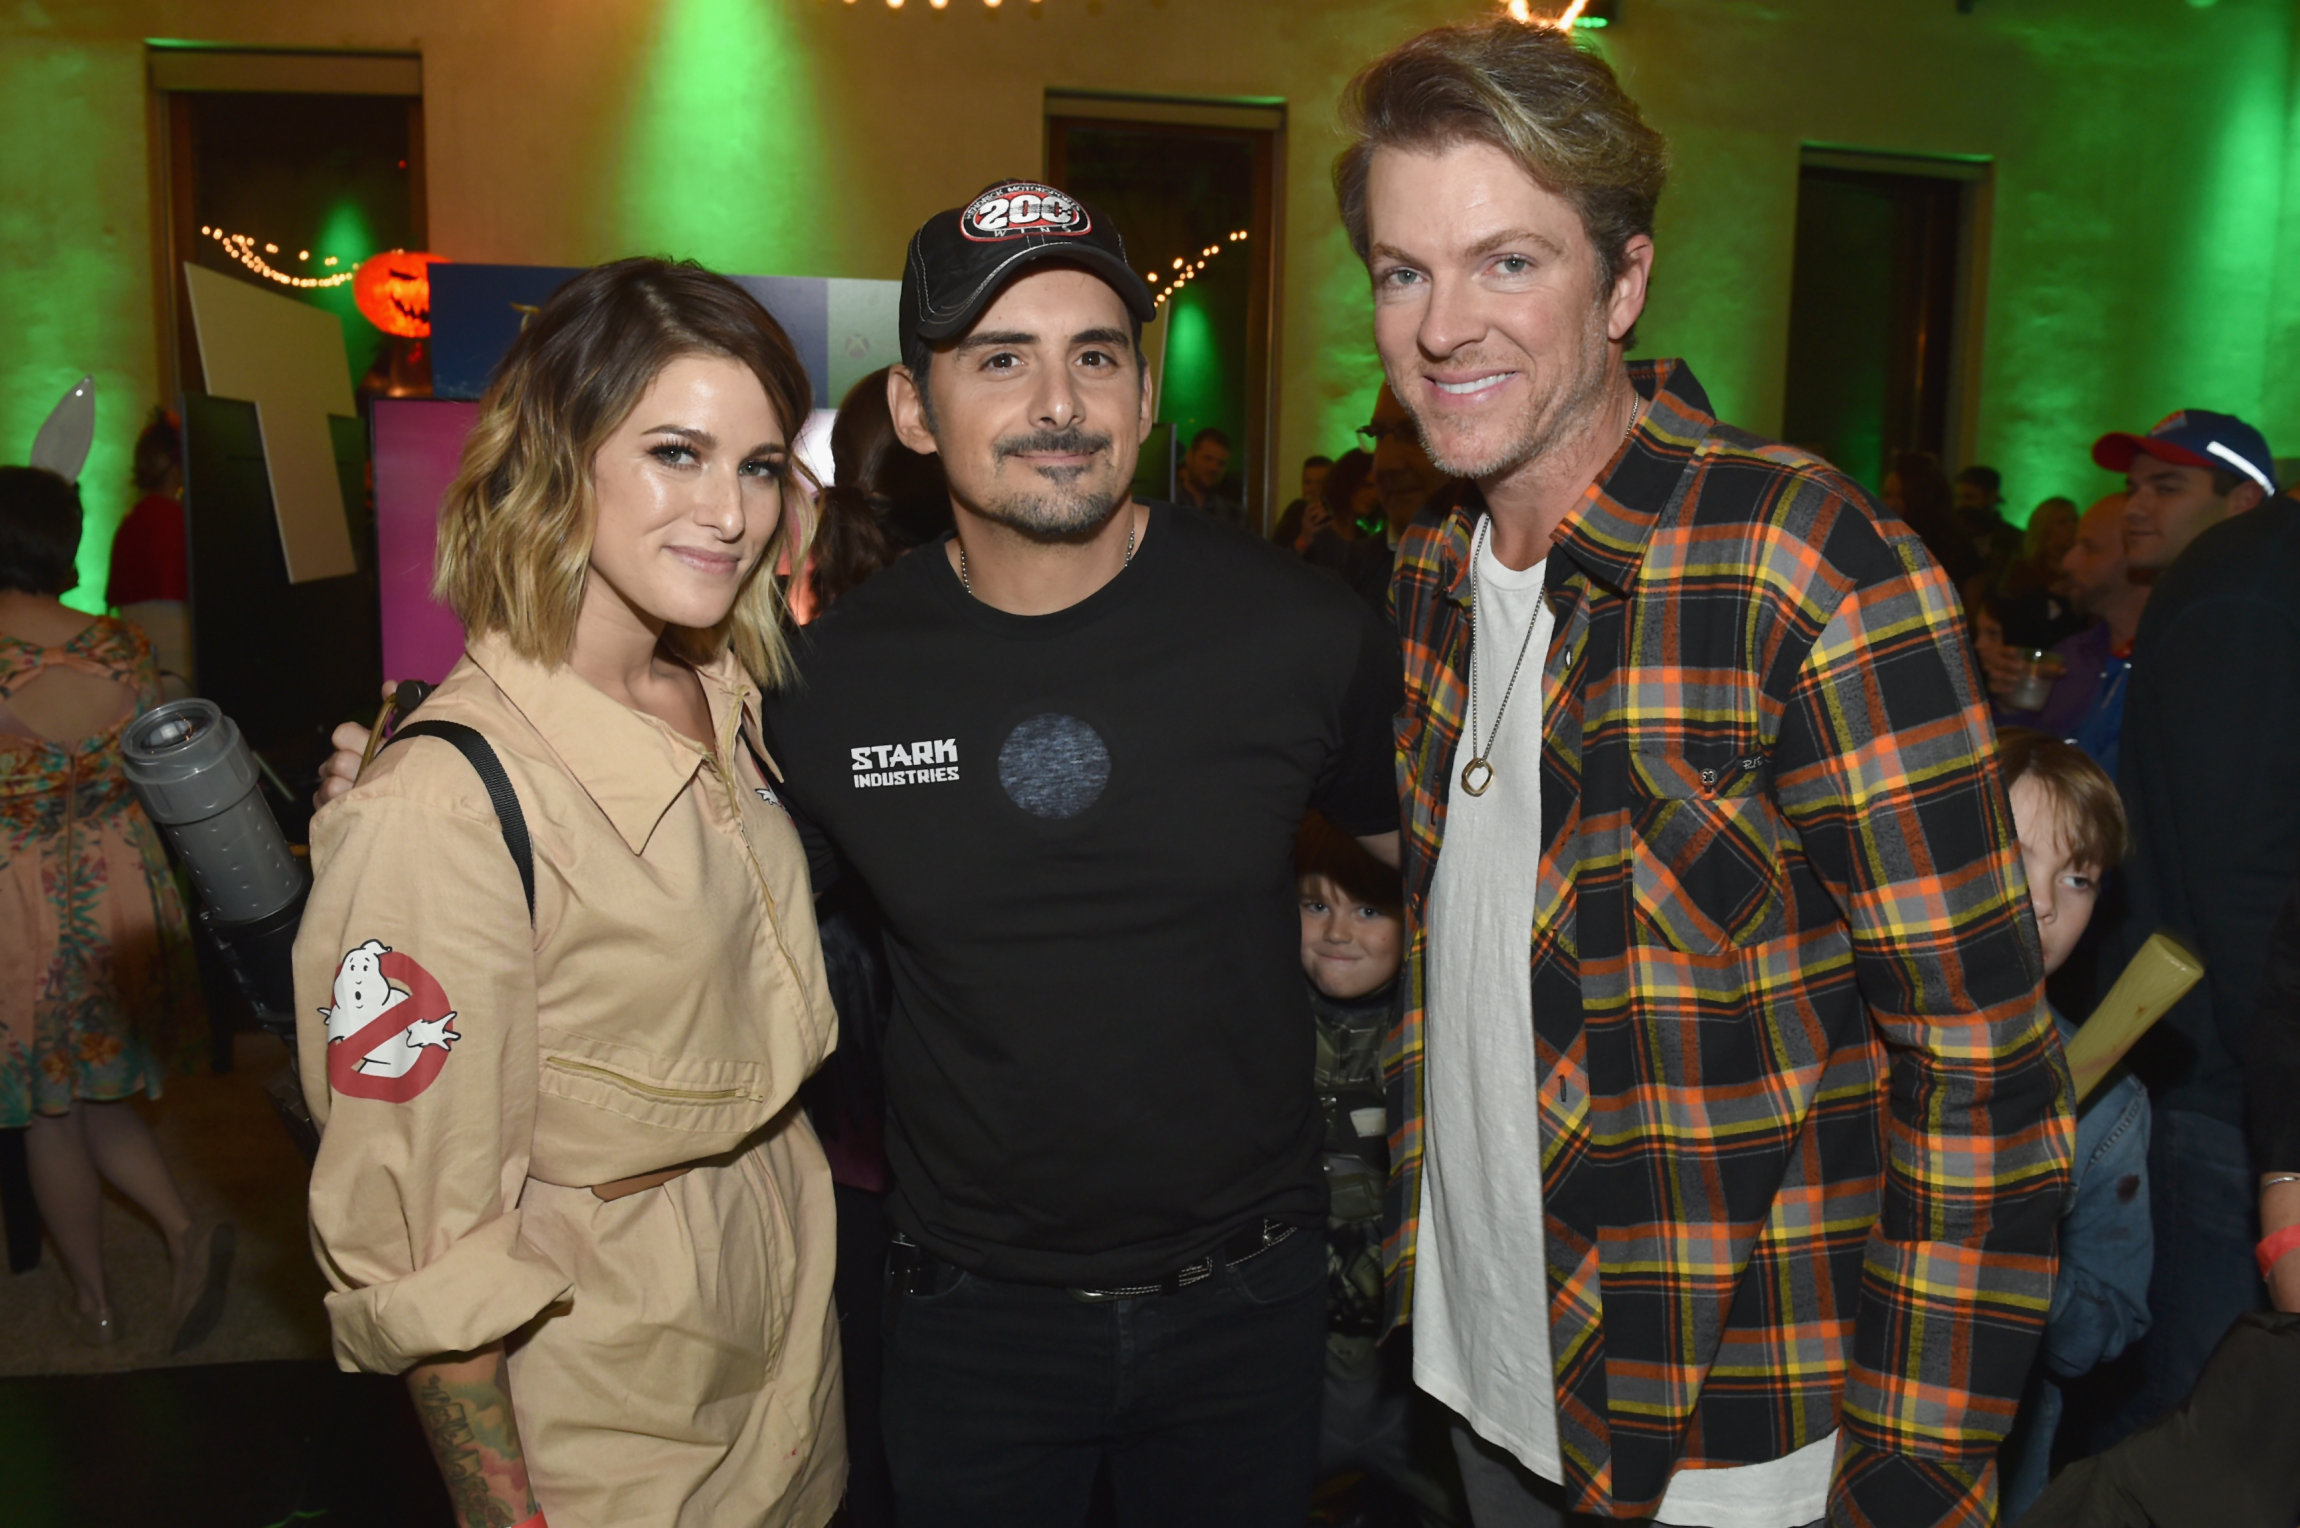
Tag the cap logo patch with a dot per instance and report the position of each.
(1021, 207)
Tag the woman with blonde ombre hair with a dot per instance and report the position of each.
(562, 1184)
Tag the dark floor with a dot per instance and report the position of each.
(244, 1445)
(273, 1445)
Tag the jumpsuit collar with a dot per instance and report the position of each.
(631, 765)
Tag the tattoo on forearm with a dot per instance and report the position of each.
(473, 1436)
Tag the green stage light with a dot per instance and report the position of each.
(76, 286)
(1193, 361)
(722, 156)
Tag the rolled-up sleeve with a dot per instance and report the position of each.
(415, 995)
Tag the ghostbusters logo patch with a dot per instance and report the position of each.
(1021, 207)
(390, 1030)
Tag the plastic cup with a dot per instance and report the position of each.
(2035, 687)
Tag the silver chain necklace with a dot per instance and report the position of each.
(968, 584)
(1477, 774)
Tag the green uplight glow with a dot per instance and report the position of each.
(722, 159)
(2156, 302)
(1198, 389)
(344, 234)
(77, 290)
(2237, 187)
(1350, 369)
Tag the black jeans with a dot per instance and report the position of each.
(860, 1290)
(1004, 1400)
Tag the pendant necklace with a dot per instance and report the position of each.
(968, 584)
(1477, 774)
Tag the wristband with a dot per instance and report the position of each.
(534, 1522)
(2274, 1246)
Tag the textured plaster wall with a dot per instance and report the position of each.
(75, 258)
(2146, 248)
(2141, 154)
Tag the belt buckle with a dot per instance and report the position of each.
(911, 1266)
(1271, 1233)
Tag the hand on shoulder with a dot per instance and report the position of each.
(339, 771)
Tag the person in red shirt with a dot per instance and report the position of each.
(151, 572)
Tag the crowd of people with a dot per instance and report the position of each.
(1023, 1005)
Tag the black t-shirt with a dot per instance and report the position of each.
(1079, 828)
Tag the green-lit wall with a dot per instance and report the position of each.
(2144, 249)
(2146, 196)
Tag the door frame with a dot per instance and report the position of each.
(1976, 177)
(177, 70)
(1261, 122)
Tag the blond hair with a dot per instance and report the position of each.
(515, 527)
(1527, 90)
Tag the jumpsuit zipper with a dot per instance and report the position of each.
(674, 1095)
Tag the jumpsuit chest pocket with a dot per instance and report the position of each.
(699, 1095)
(1706, 870)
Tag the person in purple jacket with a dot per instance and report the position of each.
(2086, 706)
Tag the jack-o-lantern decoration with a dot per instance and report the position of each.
(393, 290)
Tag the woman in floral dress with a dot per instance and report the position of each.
(99, 996)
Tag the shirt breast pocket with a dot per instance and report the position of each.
(1705, 863)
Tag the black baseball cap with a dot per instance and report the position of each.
(962, 259)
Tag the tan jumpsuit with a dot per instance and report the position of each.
(673, 1352)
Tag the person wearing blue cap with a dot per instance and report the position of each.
(2212, 715)
(2189, 473)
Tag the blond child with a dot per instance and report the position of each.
(2071, 829)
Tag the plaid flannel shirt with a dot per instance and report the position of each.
(1805, 1125)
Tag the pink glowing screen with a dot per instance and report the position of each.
(417, 444)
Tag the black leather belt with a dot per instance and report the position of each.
(1244, 1247)
(914, 1266)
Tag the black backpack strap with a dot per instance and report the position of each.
(475, 748)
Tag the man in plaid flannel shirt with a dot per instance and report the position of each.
(1729, 1128)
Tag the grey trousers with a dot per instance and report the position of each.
(1505, 1494)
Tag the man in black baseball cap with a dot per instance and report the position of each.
(1048, 465)
(1067, 749)
(961, 259)
(2212, 709)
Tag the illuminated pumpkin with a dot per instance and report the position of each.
(393, 290)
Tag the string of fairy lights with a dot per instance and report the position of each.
(1186, 267)
(1563, 21)
(1519, 10)
(250, 252)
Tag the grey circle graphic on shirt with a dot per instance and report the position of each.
(1054, 766)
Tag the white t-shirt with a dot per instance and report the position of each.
(1481, 1299)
